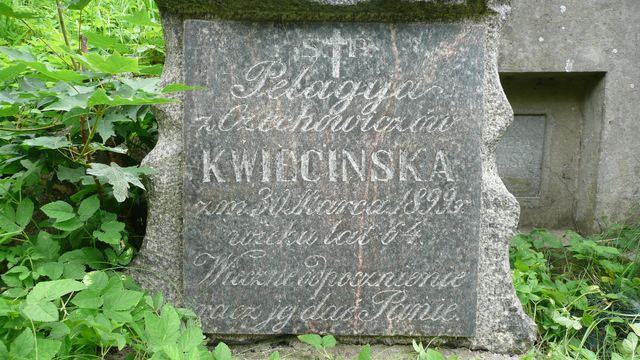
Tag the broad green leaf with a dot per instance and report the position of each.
(45, 247)
(328, 341)
(68, 102)
(276, 356)
(87, 299)
(69, 174)
(49, 142)
(124, 300)
(190, 338)
(118, 177)
(96, 280)
(140, 18)
(50, 290)
(163, 329)
(69, 225)
(88, 207)
(17, 55)
(58, 210)
(434, 355)
(11, 72)
(77, 4)
(61, 75)
(53, 270)
(635, 327)
(110, 232)
(151, 70)
(172, 352)
(44, 311)
(23, 344)
(7, 11)
(47, 349)
(111, 64)
(630, 344)
(365, 353)
(314, 340)
(103, 41)
(24, 211)
(149, 84)
(180, 87)
(74, 270)
(101, 98)
(222, 352)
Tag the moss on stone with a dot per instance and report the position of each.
(319, 10)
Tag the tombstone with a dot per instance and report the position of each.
(336, 174)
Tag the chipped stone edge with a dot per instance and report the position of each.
(502, 326)
(158, 265)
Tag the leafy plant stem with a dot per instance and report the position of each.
(63, 30)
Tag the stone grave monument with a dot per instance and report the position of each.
(336, 174)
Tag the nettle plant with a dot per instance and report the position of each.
(74, 124)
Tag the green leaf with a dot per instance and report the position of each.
(68, 102)
(23, 344)
(69, 174)
(69, 225)
(630, 344)
(328, 342)
(314, 340)
(48, 142)
(96, 280)
(44, 311)
(365, 353)
(53, 270)
(140, 18)
(151, 70)
(112, 64)
(50, 290)
(7, 11)
(434, 355)
(110, 232)
(47, 349)
(74, 270)
(222, 352)
(77, 4)
(180, 87)
(88, 207)
(163, 329)
(60, 75)
(118, 177)
(172, 352)
(123, 300)
(190, 338)
(17, 55)
(635, 327)
(276, 356)
(11, 72)
(87, 299)
(103, 41)
(24, 211)
(58, 210)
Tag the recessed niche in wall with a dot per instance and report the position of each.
(548, 157)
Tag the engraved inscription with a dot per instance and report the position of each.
(333, 177)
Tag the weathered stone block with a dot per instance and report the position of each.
(336, 177)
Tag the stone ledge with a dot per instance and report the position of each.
(328, 10)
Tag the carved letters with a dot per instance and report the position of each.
(332, 179)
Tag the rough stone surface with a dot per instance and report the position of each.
(520, 154)
(501, 326)
(327, 153)
(554, 38)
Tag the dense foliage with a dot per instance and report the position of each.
(76, 81)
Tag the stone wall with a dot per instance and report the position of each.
(586, 53)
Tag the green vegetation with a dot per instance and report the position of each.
(75, 122)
